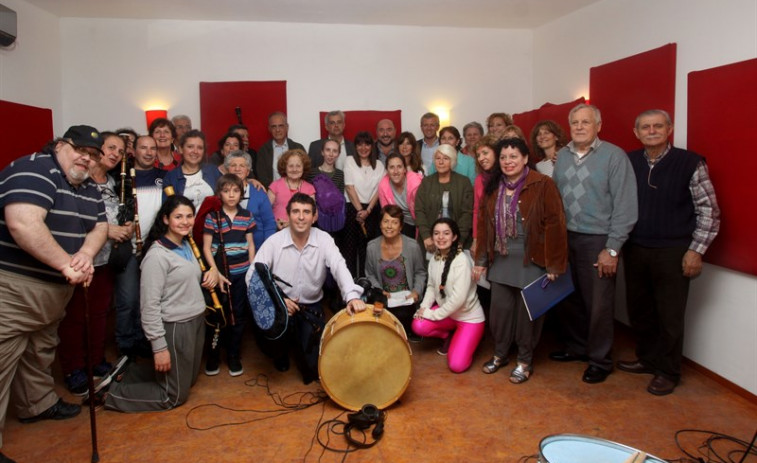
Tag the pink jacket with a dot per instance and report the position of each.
(386, 195)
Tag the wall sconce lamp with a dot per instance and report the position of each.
(152, 114)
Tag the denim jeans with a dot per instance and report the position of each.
(128, 321)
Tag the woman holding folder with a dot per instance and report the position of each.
(521, 235)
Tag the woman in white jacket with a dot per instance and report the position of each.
(450, 309)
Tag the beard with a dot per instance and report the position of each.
(77, 177)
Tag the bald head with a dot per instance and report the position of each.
(385, 132)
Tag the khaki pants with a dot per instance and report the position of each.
(30, 311)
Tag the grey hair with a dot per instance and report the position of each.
(578, 107)
(278, 113)
(180, 117)
(450, 152)
(332, 114)
(653, 112)
(237, 154)
(429, 116)
(473, 124)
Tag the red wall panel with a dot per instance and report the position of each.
(555, 112)
(622, 89)
(359, 121)
(25, 129)
(257, 100)
(722, 120)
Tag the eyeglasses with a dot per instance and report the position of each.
(649, 178)
(93, 153)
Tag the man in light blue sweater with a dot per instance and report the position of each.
(598, 188)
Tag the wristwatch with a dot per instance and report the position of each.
(612, 252)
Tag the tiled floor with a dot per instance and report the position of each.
(471, 417)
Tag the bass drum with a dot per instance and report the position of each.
(364, 359)
(575, 448)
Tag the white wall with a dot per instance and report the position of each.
(30, 69)
(326, 67)
(721, 322)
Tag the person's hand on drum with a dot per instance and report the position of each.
(292, 306)
(355, 305)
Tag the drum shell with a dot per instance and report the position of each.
(364, 359)
(576, 448)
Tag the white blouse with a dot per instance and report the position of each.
(363, 178)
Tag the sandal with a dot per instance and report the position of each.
(494, 364)
(521, 373)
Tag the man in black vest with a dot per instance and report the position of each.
(678, 219)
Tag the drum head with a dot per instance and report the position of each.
(574, 448)
(364, 363)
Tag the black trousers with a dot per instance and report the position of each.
(356, 241)
(231, 335)
(302, 336)
(587, 316)
(656, 297)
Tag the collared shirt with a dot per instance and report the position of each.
(381, 155)
(71, 211)
(705, 204)
(306, 269)
(278, 151)
(580, 157)
(342, 156)
(427, 153)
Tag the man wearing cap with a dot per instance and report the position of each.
(52, 223)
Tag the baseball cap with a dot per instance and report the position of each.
(84, 136)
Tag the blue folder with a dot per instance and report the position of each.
(541, 294)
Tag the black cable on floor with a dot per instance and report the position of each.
(291, 403)
(707, 451)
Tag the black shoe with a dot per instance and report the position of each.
(565, 356)
(76, 382)
(101, 369)
(99, 399)
(594, 375)
(235, 366)
(444, 350)
(60, 411)
(4, 459)
(213, 363)
(281, 363)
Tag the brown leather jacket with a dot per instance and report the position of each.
(546, 237)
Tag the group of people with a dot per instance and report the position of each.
(424, 220)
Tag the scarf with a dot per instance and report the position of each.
(506, 214)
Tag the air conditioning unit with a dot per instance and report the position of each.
(7, 26)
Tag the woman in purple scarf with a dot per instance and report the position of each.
(521, 235)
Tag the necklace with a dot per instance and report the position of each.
(297, 188)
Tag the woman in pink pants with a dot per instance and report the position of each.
(450, 309)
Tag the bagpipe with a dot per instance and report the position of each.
(121, 252)
(267, 302)
(215, 315)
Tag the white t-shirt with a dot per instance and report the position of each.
(363, 178)
(197, 189)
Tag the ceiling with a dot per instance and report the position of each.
(501, 14)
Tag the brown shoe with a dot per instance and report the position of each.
(661, 385)
(634, 366)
